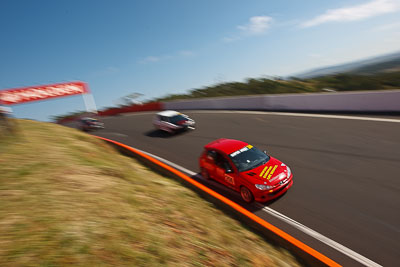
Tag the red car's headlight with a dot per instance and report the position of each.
(289, 171)
(263, 187)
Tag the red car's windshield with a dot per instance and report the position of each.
(248, 158)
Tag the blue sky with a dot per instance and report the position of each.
(157, 47)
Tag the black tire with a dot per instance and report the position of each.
(205, 174)
(246, 194)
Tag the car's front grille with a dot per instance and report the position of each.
(283, 182)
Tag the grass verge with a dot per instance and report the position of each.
(67, 198)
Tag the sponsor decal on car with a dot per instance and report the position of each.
(229, 179)
(237, 152)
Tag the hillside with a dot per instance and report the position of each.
(375, 65)
(68, 198)
(337, 82)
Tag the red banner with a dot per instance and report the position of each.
(34, 93)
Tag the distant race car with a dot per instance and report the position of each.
(173, 121)
(88, 124)
(246, 169)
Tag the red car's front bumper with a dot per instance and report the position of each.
(266, 195)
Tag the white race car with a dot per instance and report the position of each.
(173, 121)
(88, 124)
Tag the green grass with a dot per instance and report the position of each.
(67, 198)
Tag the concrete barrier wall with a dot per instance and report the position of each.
(243, 102)
(153, 106)
(373, 101)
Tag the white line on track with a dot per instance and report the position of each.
(136, 113)
(333, 244)
(113, 133)
(343, 117)
(329, 242)
(176, 166)
(301, 115)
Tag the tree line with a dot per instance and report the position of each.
(276, 85)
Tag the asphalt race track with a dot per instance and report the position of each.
(346, 174)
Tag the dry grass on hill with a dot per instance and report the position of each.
(67, 198)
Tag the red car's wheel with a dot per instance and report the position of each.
(246, 194)
(205, 174)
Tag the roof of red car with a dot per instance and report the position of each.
(226, 145)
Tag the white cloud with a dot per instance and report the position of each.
(354, 13)
(256, 25)
(154, 59)
(231, 39)
(150, 59)
(186, 53)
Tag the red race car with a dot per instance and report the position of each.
(245, 169)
